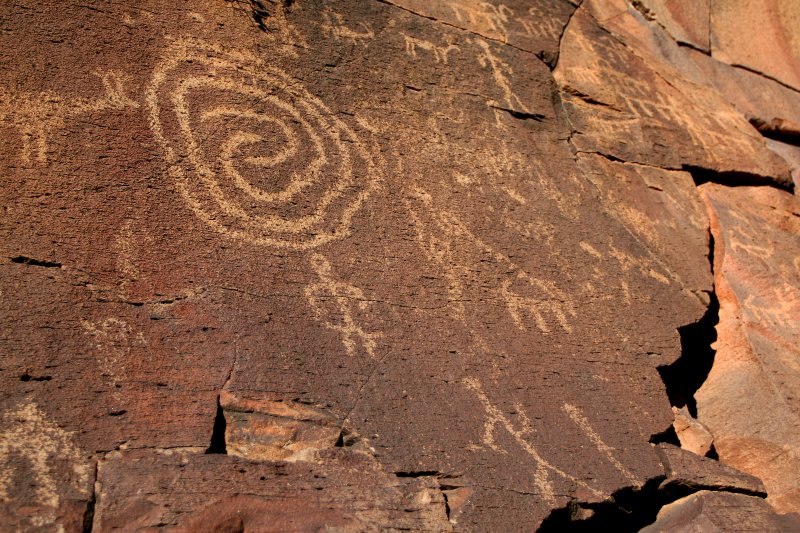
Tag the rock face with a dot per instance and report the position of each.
(757, 275)
(384, 265)
(721, 511)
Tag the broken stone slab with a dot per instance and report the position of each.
(687, 471)
(723, 512)
(692, 435)
(751, 399)
(623, 104)
(773, 50)
(175, 490)
(262, 429)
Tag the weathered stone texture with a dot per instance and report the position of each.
(623, 104)
(376, 265)
(723, 512)
(687, 471)
(758, 35)
(751, 399)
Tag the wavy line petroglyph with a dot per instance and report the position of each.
(542, 23)
(36, 115)
(27, 434)
(440, 53)
(577, 416)
(521, 434)
(255, 155)
(348, 300)
(523, 293)
(333, 26)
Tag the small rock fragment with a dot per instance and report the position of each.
(693, 435)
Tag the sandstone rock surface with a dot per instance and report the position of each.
(387, 265)
(723, 512)
(687, 471)
(751, 399)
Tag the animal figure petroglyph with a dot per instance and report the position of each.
(348, 300)
(521, 433)
(440, 53)
(668, 107)
(440, 233)
(228, 122)
(27, 434)
(483, 17)
(333, 26)
(37, 115)
(520, 306)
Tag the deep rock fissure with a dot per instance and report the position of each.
(733, 179)
(25, 260)
(686, 375)
(627, 510)
(776, 130)
(88, 514)
(218, 445)
(258, 11)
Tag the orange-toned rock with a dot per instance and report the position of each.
(759, 35)
(645, 111)
(791, 154)
(724, 512)
(771, 107)
(692, 435)
(264, 429)
(685, 20)
(751, 399)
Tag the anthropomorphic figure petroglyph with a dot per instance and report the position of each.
(348, 300)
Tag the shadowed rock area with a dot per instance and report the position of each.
(382, 265)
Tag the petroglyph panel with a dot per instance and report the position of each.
(447, 240)
(522, 432)
(336, 210)
(254, 154)
(613, 97)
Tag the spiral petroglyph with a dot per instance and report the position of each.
(255, 155)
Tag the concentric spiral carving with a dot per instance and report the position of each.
(255, 155)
